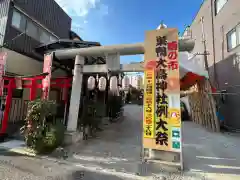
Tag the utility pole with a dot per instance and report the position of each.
(204, 45)
(213, 44)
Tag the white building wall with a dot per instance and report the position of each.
(22, 65)
(136, 81)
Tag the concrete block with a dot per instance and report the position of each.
(72, 137)
(164, 156)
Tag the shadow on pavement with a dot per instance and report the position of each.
(5, 152)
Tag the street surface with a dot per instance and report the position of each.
(115, 155)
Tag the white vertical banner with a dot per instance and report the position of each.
(46, 82)
(3, 57)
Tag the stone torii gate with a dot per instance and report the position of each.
(112, 54)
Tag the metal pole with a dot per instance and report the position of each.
(75, 94)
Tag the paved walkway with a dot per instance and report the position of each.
(212, 155)
(115, 155)
(117, 151)
(118, 148)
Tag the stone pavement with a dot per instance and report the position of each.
(118, 147)
(117, 151)
(210, 155)
(115, 155)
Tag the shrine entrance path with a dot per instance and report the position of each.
(117, 151)
(118, 147)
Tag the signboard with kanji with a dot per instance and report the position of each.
(148, 123)
(162, 117)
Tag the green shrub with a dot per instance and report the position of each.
(41, 132)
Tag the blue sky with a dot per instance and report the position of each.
(125, 21)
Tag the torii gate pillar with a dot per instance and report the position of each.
(76, 93)
(72, 135)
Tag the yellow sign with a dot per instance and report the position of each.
(148, 124)
(161, 54)
(162, 127)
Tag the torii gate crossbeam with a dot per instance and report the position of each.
(103, 68)
(185, 44)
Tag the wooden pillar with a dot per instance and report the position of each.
(33, 90)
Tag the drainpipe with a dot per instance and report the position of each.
(213, 43)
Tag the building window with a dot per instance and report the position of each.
(18, 21)
(52, 38)
(238, 34)
(219, 5)
(44, 36)
(233, 38)
(32, 30)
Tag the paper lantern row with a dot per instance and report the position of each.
(102, 83)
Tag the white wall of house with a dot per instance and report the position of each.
(23, 65)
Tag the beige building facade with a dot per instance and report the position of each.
(216, 29)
